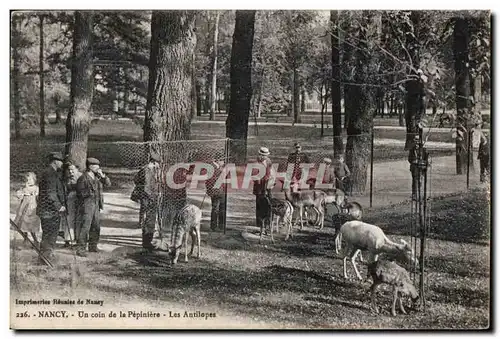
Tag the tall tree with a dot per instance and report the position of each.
(168, 111)
(170, 101)
(42, 81)
(213, 69)
(82, 87)
(15, 46)
(414, 87)
(360, 122)
(241, 84)
(338, 146)
(462, 86)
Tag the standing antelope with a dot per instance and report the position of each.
(307, 198)
(362, 236)
(186, 222)
(281, 209)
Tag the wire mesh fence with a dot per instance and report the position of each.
(121, 161)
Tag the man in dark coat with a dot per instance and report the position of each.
(296, 158)
(51, 203)
(89, 189)
(484, 158)
(148, 186)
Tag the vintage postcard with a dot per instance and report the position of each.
(250, 169)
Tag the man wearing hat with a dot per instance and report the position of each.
(342, 174)
(51, 203)
(261, 190)
(89, 189)
(147, 188)
(297, 157)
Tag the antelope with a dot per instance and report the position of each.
(281, 209)
(388, 272)
(307, 198)
(186, 222)
(362, 236)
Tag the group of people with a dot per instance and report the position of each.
(337, 175)
(66, 202)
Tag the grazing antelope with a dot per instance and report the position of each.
(388, 272)
(186, 222)
(362, 236)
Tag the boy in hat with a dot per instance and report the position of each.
(89, 189)
(484, 158)
(218, 196)
(297, 157)
(51, 203)
(147, 187)
(342, 174)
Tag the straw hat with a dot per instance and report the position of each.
(264, 151)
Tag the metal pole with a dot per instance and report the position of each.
(371, 171)
(37, 250)
(468, 156)
(423, 233)
(226, 160)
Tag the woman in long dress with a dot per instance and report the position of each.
(26, 217)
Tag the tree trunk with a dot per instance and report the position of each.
(170, 101)
(360, 124)
(169, 105)
(213, 69)
(302, 100)
(198, 98)
(321, 97)
(462, 85)
(296, 96)
(42, 81)
(16, 35)
(241, 85)
(194, 87)
(338, 145)
(82, 87)
(414, 88)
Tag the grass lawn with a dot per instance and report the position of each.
(295, 284)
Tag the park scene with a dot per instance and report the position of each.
(390, 108)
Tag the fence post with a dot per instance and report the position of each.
(371, 170)
(468, 155)
(226, 160)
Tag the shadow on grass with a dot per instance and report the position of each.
(200, 281)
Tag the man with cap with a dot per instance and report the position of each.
(261, 190)
(89, 189)
(297, 157)
(147, 186)
(51, 203)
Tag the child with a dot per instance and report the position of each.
(26, 217)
